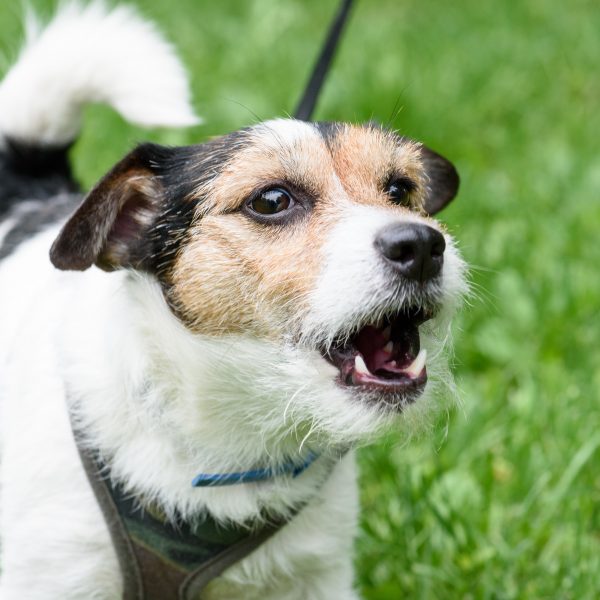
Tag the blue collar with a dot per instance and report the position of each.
(289, 468)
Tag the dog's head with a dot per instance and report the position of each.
(310, 247)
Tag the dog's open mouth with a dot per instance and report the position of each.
(386, 356)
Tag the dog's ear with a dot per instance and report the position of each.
(108, 227)
(442, 183)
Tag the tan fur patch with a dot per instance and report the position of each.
(366, 157)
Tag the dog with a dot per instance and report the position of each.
(275, 296)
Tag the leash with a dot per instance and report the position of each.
(307, 104)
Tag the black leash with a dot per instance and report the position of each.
(307, 104)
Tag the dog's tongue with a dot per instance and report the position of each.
(375, 346)
(392, 351)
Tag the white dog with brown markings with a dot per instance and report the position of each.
(278, 293)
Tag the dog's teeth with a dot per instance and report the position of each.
(360, 366)
(387, 333)
(417, 365)
(389, 347)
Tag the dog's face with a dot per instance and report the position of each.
(315, 239)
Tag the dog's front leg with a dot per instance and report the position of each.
(55, 544)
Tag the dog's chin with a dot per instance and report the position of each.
(381, 363)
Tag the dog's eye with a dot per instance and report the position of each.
(399, 190)
(271, 202)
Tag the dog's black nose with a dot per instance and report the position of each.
(416, 251)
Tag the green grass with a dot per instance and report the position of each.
(503, 500)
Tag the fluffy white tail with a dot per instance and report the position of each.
(90, 54)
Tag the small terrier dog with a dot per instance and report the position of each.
(278, 293)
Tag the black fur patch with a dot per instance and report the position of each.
(36, 190)
(182, 171)
(30, 172)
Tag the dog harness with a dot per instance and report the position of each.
(160, 560)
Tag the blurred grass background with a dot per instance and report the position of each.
(503, 500)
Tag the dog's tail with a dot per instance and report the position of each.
(88, 54)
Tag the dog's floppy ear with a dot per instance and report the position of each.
(442, 183)
(108, 227)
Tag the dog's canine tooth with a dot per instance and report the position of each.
(389, 347)
(417, 365)
(360, 366)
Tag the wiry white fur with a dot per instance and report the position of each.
(276, 134)
(89, 54)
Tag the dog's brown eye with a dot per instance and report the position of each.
(399, 191)
(271, 202)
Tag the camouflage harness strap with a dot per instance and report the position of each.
(159, 560)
